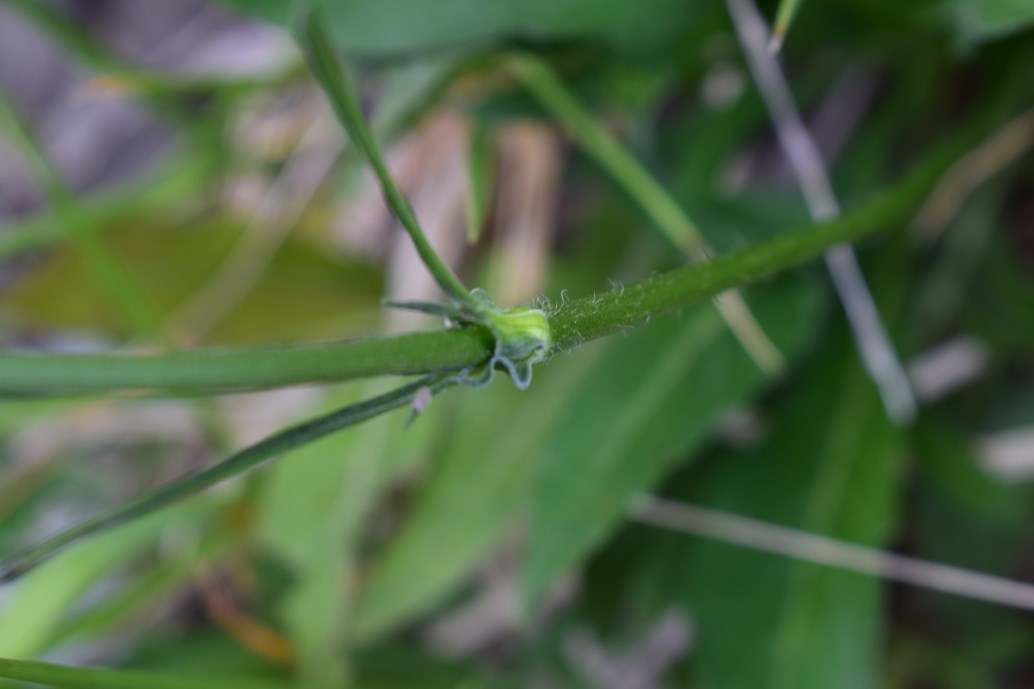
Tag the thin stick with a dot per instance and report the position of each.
(877, 351)
(1006, 145)
(823, 550)
(452, 350)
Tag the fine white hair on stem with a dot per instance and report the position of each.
(823, 550)
(874, 344)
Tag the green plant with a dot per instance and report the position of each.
(579, 497)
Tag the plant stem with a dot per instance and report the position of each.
(584, 319)
(68, 677)
(659, 205)
(341, 91)
(452, 350)
(656, 202)
(239, 462)
(573, 324)
(239, 369)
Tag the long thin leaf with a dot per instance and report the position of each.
(626, 425)
(236, 464)
(578, 321)
(665, 212)
(829, 469)
(69, 677)
(341, 91)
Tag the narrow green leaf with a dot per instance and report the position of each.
(391, 27)
(311, 518)
(494, 446)
(664, 211)
(34, 611)
(579, 321)
(977, 21)
(244, 460)
(69, 677)
(344, 99)
(784, 18)
(627, 424)
(481, 161)
(829, 468)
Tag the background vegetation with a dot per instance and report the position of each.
(171, 177)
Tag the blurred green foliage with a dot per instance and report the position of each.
(357, 551)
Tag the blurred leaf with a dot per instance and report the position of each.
(304, 517)
(276, 11)
(204, 652)
(784, 18)
(384, 27)
(393, 667)
(308, 294)
(1000, 306)
(481, 482)
(829, 468)
(481, 162)
(948, 465)
(133, 600)
(651, 401)
(34, 611)
(312, 515)
(985, 20)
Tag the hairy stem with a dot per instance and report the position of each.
(659, 205)
(452, 350)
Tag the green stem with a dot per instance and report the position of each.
(252, 368)
(573, 324)
(629, 173)
(659, 205)
(452, 350)
(68, 677)
(248, 458)
(341, 91)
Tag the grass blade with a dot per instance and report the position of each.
(451, 350)
(784, 17)
(656, 202)
(341, 91)
(623, 428)
(829, 468)
(480, 169)
(68, 677)
(236, 464)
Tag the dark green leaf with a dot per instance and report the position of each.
(830, 467)
(646, 405)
